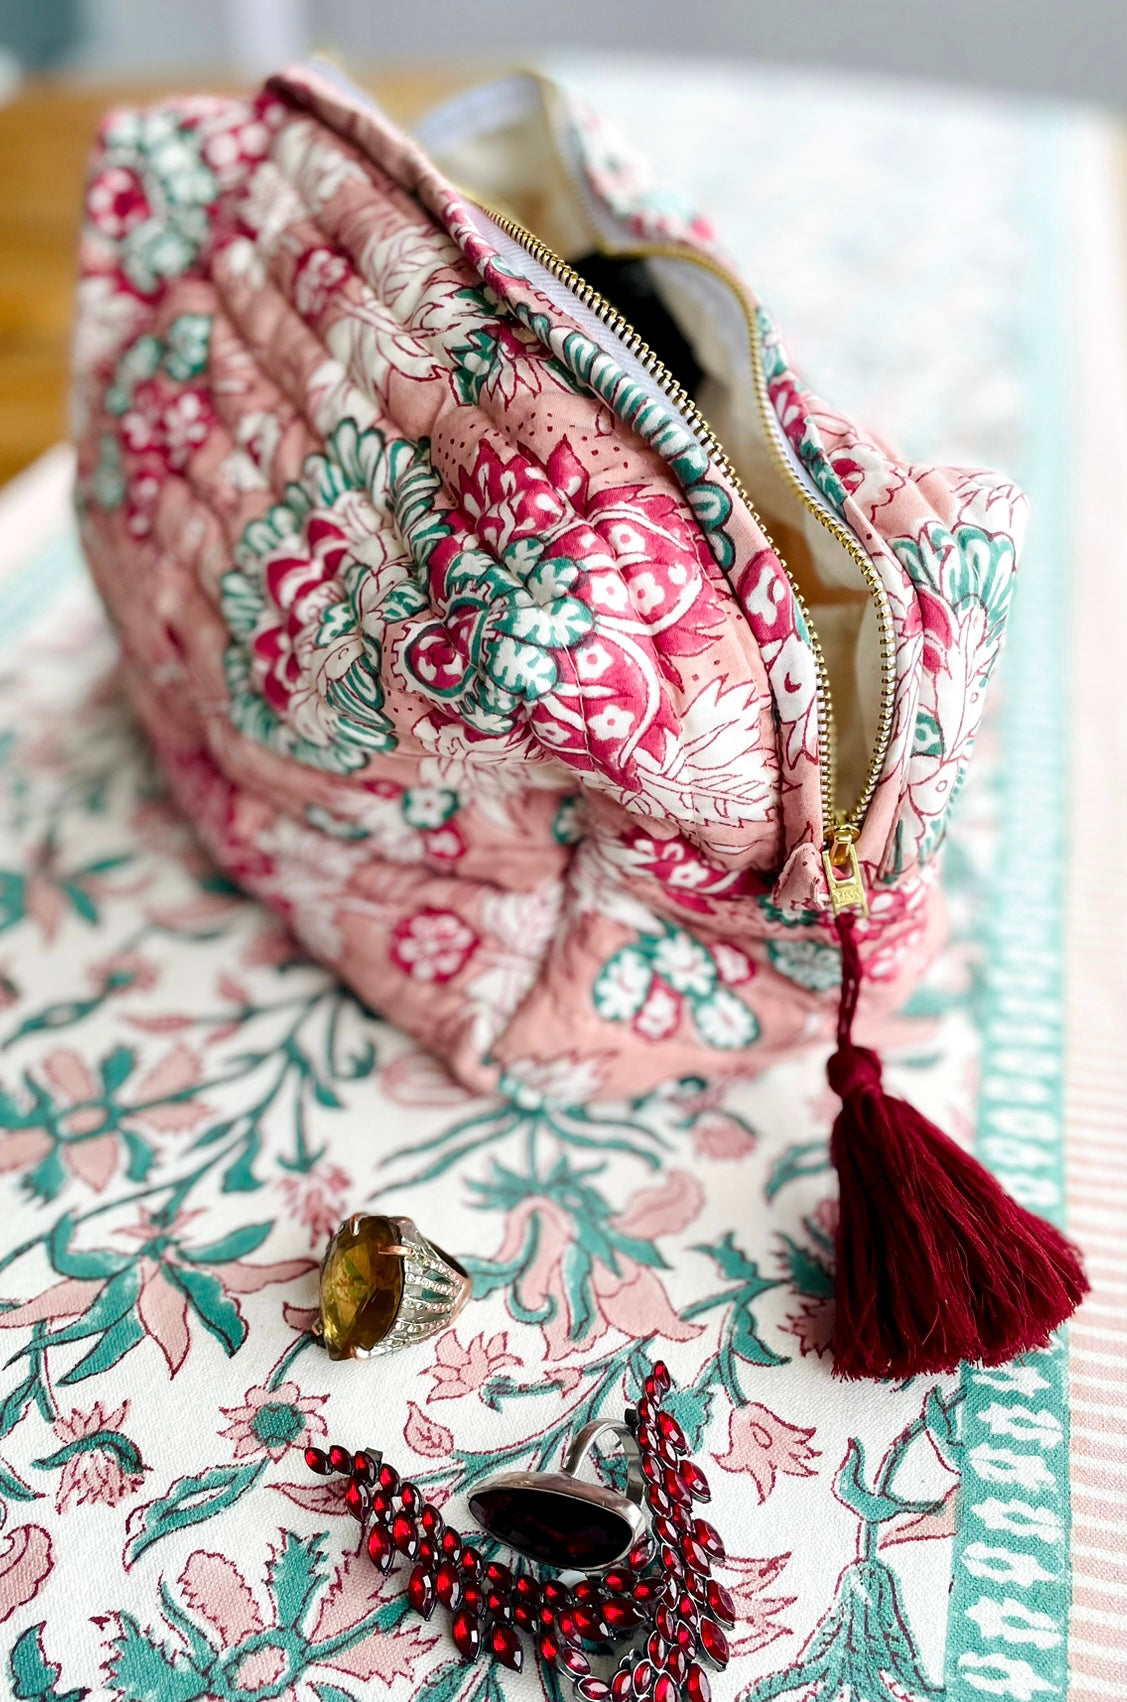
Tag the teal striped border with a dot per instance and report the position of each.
(28, 590)
(1008, 1625)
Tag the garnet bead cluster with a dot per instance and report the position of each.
(662, 1600)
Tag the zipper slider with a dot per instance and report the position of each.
(843, 870)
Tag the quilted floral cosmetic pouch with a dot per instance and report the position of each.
(502, 607)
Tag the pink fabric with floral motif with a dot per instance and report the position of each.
(451, 641)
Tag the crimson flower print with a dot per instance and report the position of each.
(763, 1445)
(272, 1421)
(433, 945)
(459, 1370)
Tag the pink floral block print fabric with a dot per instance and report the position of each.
(454, 645)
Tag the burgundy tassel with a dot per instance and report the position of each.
(936, 1263)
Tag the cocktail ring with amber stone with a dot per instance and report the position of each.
(384, 1286)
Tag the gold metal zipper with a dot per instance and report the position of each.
(841, 827)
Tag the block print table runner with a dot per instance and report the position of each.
(188, 1107)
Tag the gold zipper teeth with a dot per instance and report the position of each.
(655, 368)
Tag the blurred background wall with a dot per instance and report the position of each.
(1072, 48)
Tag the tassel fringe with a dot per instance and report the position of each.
(936, 1262)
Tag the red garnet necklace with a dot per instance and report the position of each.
(643, 1618)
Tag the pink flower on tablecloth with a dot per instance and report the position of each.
(26, 1560)
(341, 1633)
(459, 1370)
(665, 1209)
(83, 1117)
(632, 1299)
(812, 1326)
(433, 945)
(98, 1472)
(272, 1421)
(317, 1199)
(757, 1623)
(763, 1445)
(718, 1136)
(123, 972)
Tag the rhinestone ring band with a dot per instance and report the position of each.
(385, 1286)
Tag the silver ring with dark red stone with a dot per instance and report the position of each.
(643, 1619)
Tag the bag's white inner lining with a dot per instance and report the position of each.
(499, 144)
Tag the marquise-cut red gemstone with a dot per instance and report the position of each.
(473, 1597)
(498, 1574)
(694, 1480)
(620, 1580)
(471, 1560)
(568, 1628)
(621, 1615)
(709, 1538)
(405, 1534)
(363, 1467)
(340, 1459)
(355, 1500)
(590, 1623)
(622, 1686)
(410, 1497)
(660, 1374)
(466, 1633)
(432, 1521)
(643, 1679)
(549, 1645)
(388, 1479)
(677, 1665)
(420, 1591)
(381, 1504)
(426, 1551)
(720, 1603)
(651, 1468)
(451, 1544)
(646, 1410)
(675, 1491)
(671, 1561)
(714, 1642)
(448, 1583)
(657, 1648)
(666, 1622)
(697, 1684)
(641, 1555)
(665, 1690)
(527, 1589)
(593, 1690)
(694, 1554)
(505, 1645)
(380, 1551)
(556, 1593)
(318, 1461)
(574, 1661)
(669, 1428)
(499, 1604)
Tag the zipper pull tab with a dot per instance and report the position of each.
(843, 871)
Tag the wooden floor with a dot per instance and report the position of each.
(44, 138)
